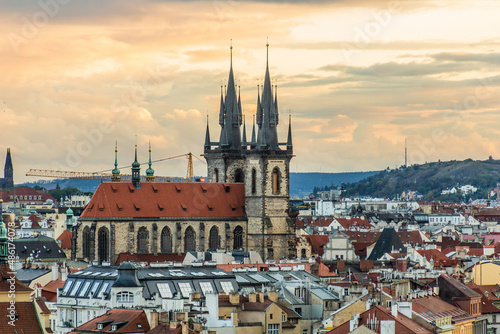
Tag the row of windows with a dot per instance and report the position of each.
(26, 197)
(165, 241)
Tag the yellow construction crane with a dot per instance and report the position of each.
(105, 176)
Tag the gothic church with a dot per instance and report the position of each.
(243, 206)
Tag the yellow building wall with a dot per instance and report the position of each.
(486, 274)
(345, 314)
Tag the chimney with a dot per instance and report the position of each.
(252, 298)
(260, 297)
(354, 322)
(55, 271)
(154, 319)
(64, 273)
(405, 308)
(394, 310)
(185, 327)
(234, 298)
(273, 296)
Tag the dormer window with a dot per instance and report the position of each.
(125, 297)
(99, 326)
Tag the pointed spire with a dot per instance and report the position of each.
(150, 172)
(259, 108)
(240, 111)
(136, 170)
(232, 111)
(244, 140)
(116, 177)
(289, 145)
(207, 138)
(253, 131)
(268, 135)
(221, 108)
(276, 113)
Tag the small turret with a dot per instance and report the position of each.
(136, 171)
(69, 219)
(150, 172)
(116, 177)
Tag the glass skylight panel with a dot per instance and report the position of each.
(198, 274)
(206, 287)
(219, 273)
(78, 273)
(104, 287)
(105, 274)
(76, 287)
(85, 288)
(185, 289)
(164, 289)
(94, 288)
(96, 273)
(67, 287)
(156, 275)
(226, 286)
(86, 273)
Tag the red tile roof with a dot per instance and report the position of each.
(130, 319)
(27, 319)
(49, 291)
(65, 239)
(317, 243)
(440, 260)
(149, 258)
(25, 191)
(5, 275)
(322, 222)
(324, 271)
(432, 307)
(43, 307)
(354, 223)
(403, 324)
(155, 199)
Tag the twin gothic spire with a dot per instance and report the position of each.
(266, 118)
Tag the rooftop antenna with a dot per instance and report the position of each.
(406, 155)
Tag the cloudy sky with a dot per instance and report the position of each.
(358, 77)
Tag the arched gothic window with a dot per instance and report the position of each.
(254, 181)
(103, 245)
(143, 240)
(238, 238)
(276, 181)
(166, 240)
(239, 177)
(189, 240)
(214, 239)
(86, 243)
(216, 172)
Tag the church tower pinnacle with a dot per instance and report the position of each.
(136, 171)
(150, 172)
(116, 177)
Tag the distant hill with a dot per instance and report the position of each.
(301, 184)
(430, 179)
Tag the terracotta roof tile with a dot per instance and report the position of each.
(130, 318)
(157, 199)
(65, 239)
(27, 319)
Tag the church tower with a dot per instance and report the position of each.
(263, 164)
(8, 171)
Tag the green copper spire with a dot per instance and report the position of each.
(150, 172)
(116, 172)
(136, 171)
